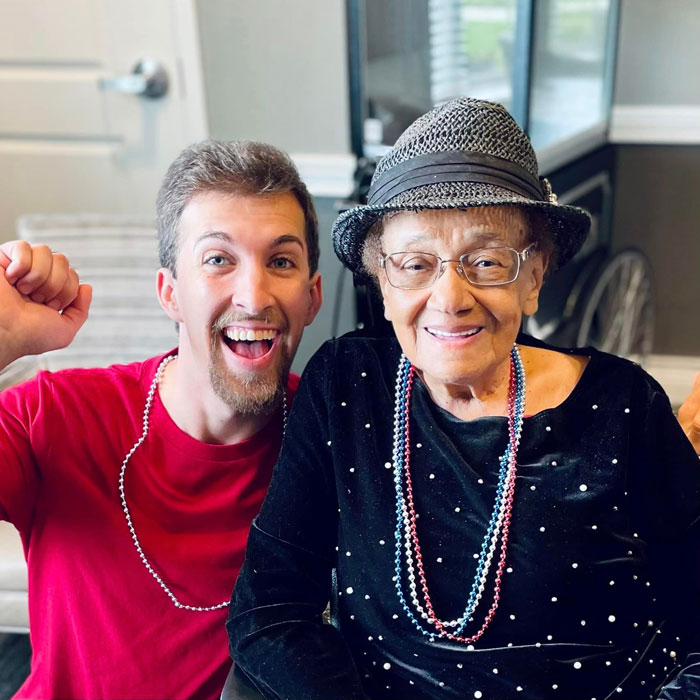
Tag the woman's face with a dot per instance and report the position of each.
(482, 322)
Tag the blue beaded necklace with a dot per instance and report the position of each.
(405, 534)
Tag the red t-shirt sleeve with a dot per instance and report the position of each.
(20, 409)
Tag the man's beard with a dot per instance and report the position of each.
(249, 393)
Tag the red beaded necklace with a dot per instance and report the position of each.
(406, 532)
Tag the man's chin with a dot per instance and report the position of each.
(251, 394)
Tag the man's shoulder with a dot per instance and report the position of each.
(95, 383)
(138, 372)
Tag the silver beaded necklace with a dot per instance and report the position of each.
(144, 559)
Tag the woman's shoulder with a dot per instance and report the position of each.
(355, 365)
(552, 376)
(358, 345)
(566, 375)
(355, 355)
(600, 360)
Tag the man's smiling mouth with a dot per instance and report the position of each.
(251, 343)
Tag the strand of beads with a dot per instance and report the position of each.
(404, 382)
(514, 430)
(406, 514)
(489, 543)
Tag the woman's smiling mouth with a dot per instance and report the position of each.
(453, 335)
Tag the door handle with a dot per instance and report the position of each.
(148, 79)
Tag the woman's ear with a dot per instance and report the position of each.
(382, 287)
(535, 268)
(387, 313)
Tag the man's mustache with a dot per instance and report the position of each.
(231, 318)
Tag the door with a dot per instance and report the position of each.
(72, 138)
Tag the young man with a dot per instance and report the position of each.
(133, 487)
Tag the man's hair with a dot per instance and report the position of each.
(230, 167)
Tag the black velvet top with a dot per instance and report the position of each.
(601, 593)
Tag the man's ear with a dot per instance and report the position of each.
(166, 288)
(535, 279)
(315, 298)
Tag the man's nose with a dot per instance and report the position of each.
(252, 291)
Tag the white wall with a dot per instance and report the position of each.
(659, 53)
(276, 71)
(657, 93)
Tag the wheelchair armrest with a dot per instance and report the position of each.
(238, 687)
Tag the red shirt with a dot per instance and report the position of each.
(101, 627)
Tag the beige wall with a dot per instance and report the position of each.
(276, 71)
(657, 208)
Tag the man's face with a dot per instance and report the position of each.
(242, 293)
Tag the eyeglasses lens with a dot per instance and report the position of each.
(412, 270)
(486, 266)
(491, 266)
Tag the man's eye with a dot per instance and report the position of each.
(216, 260)
(282, 263)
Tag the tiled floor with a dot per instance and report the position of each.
(15, 656)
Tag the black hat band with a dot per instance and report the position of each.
(454, 166)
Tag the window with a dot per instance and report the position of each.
(548, 61)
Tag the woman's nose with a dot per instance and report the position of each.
(451, 292)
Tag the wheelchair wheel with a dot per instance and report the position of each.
(618, 313)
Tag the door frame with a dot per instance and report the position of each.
(190, 74)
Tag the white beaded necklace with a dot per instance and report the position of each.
(146, 411)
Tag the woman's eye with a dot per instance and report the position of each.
(485, 262)
(490, 260)
(282, 264)
(416, 264)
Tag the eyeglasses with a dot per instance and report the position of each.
(486, 267)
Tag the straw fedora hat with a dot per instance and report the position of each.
(464, 153)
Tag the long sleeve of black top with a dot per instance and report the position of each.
(275, 625)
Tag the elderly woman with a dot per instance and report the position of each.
(488, 517)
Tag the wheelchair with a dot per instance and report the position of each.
(604, 300)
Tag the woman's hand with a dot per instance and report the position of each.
(689, 414)
(42, 303)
